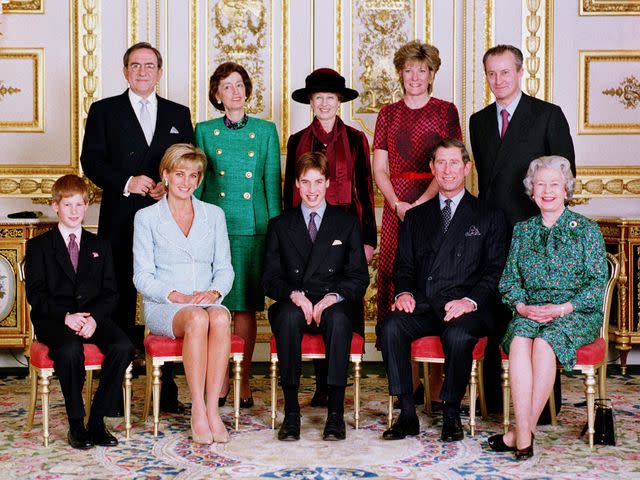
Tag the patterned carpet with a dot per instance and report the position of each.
(255, 453)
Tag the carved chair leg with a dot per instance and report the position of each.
(590, 392)
(156, 397)
(356, 393)
(237, 377)
(274, 397)
(43, 381)
(427, 388)
(506, 393)
(473, 385)
(88, 390)
(390, 412)
(127, 401)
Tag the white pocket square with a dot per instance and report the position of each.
(174, 130)
(336, 242)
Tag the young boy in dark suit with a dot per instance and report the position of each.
(71, 288)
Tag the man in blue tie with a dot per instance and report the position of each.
(316, 271)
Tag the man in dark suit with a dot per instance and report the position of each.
(451, 253)
(125, 138)
(71, 288)
(316, 271)
(505, 137)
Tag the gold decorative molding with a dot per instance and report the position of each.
(537, 40)
(284, 101)
(607, 181)
(36, 57)
(608, 7)
(132, 22)
(8, 90)
(489, 34)
(629, 93)
(23, 6)
(194, 105)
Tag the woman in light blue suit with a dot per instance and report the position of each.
(182, 268)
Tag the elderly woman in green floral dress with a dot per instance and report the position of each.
(554, 282)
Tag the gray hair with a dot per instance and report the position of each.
(555, 162)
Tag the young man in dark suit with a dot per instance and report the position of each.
(451, 253)
(71, 288)
(125, 138)
(505, 137)
(316, 271)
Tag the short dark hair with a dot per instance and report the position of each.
(312, 161)
(499, 50)
(68, 186)
(450, 143)
(223, 71)
(140, 46)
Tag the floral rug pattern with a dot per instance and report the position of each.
(254, 452)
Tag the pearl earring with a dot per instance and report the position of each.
(166, 182)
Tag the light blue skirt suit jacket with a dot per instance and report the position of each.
(164, 259)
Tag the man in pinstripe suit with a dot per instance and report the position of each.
(451, 253)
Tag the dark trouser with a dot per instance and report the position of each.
(66, 351)
(289, 325)
(459, 337)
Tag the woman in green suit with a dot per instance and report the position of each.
(242, 178)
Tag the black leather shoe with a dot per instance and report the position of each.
(320, 398)
(525, 453)
(290, 428)
(100, 436)
(173, 406)
(79, 438)
(334, 429)
(402, 427)
(246, 402)
(451, 428)
(496, 443)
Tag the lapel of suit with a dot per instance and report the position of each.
(299, 234)
(162, 121)
(170, 232)
(61, 253)
(322, 243)
(455, 232)
(518, 130)
(433, 225)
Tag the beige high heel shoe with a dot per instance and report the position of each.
(201, 439)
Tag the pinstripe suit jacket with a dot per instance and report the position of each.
(466, 261)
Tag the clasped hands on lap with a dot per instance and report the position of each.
(312, 312)
(544, 313)
(82, 323)
(453, 309)
(196, 298)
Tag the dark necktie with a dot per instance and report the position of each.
(313, 228)
(505, 122)
(446, 215)
(73, 251)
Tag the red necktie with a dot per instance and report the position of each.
(505, 122)
(73, 251)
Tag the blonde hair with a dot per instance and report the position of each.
(416, 51)
(180, 153)
(68, 186)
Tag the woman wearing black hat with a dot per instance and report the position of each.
(347, 151)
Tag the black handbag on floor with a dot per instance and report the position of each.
(605, 427)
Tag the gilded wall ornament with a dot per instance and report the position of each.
(241, 35)
(381, 31)
(628, 92)
(7, 90)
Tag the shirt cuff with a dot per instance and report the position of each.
(395, 299)
(339, 297)
(126, 191)
(475, 305)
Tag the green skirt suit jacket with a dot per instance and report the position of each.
(243, 178)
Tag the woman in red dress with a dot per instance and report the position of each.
(405, 133)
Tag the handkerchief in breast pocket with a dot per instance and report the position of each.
(472, 232)
(174, 130)
(336, 242)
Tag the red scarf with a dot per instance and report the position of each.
(338, 154)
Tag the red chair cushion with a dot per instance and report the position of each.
(591, 354)
(39, 355)
(159, 346)
(431, 347)
(503, 356)
(314, 345)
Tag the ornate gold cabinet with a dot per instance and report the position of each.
(14, 313)
(622, 237)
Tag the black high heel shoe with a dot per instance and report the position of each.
(496, 443)
(525, 453)
(223, 400)
(246, 402)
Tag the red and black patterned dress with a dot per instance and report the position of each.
(408, 136)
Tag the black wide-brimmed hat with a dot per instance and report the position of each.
(324, 80)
